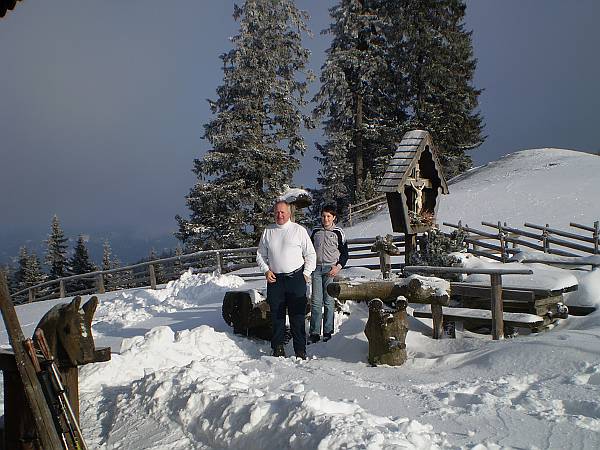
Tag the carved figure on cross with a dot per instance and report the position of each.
(418, 184)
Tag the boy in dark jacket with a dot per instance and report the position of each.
(332, 254)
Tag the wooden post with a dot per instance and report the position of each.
(545, 242)
(385, 264)
(497, 307)
(438, 320)
(219, 266)
(410, 245)
(100, 284)
(42, 417)
(31, 292)
(501, 238)
(61, 287)
(152, 276)
(596, 238)
(350, 214)
(514, 245)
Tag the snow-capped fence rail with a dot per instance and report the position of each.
(546, 241)
(159, 271)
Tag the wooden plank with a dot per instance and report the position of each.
(581, 310)
(470, 290)
(42, 417)
(539, 293)
(517, 320)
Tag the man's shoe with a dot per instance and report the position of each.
(301, 355)
(279, 351)
(326, 337)
(314, 338)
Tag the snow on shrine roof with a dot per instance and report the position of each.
(407, 153)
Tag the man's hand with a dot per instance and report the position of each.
(270, 276)
(334, 271)
(306, 278)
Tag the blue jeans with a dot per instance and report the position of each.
(320, 298)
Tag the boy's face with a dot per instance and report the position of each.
(327, 219)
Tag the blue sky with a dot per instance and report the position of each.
(102, 103)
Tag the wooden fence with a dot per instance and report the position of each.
(360, 211)
(505, 240)
(159, 271)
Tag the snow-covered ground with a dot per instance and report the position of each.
(180, 379)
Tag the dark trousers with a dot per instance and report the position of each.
(288, 293)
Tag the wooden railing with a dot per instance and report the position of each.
(159, 271)
(358, 211)
(506, 240)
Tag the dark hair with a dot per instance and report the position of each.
(331, 209)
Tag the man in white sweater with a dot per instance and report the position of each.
(287, 258)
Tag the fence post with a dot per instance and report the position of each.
(219, 267)
(100, 284)
(385, 264)
(350, 214)
(501, 238)
(513, 235)
(152, 276)
(61, 288)
(596, 236)
(31, 292)
(497, 307)
(438, 320)
(545, 239)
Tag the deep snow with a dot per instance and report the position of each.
(179, 378)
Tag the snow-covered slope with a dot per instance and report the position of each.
(541, 186)
(180, 379)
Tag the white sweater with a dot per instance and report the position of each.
(285, 248)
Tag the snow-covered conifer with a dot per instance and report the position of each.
(433, 58)
(359, 120)
(80, 263)
(56, 250)
(255, 133)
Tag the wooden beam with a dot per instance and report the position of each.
(497, 307)
(470, 290)
(42, 417)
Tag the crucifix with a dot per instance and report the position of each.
(417, 184)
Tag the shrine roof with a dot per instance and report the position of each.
(407, 154)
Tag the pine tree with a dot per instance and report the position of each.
(361, 122)
(433, 56)
(255, 134)
(29, 272)
(107, 263)
(56, 252)
(80, 263)
(20, 273)
(178, 268)
(106, 256)
(393, 66)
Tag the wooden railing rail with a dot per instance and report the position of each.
(147, 273)
(547, 240)
(362, 209)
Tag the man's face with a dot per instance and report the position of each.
(327, 219)
(282, 213)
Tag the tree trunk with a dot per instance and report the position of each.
(358, 143)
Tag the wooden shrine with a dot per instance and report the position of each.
(413, 184)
